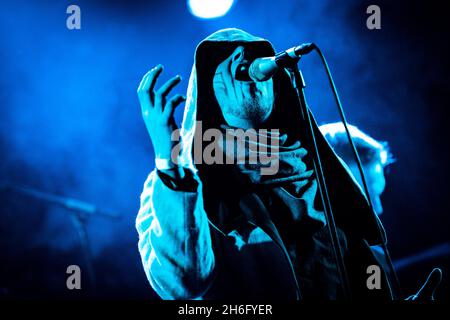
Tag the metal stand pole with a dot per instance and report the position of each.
(299, 85)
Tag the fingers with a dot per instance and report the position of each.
(143, 94)
(157, 99)
(426, 293)
(173, 103)
(154, 74)
(161, 94)
(149, 80)
(168, 86)
(145, 88)
(142, 83)
(433, 280)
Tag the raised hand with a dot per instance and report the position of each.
(157, 110)
(427, 291)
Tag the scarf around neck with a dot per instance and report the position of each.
(290, 177)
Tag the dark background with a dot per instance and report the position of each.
(70, 122)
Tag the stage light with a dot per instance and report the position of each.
(209, 9)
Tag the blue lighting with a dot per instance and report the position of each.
(209, 9)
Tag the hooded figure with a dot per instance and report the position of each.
(226, 231)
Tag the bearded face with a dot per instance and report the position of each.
(244, 104)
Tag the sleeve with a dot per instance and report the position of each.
(174, 237)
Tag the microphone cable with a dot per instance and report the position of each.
(360, 168)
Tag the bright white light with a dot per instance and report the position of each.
(209, 9)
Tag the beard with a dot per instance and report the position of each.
(254, 110)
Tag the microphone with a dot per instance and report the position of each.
(262, 69)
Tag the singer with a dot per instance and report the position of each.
(225, 231)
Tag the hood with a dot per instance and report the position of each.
(351, 210)
(201, 104)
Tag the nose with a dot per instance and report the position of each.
(239, 65)
(238, 53)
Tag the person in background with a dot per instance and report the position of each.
(375, 157)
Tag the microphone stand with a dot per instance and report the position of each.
(299, 86)
(79, 212)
